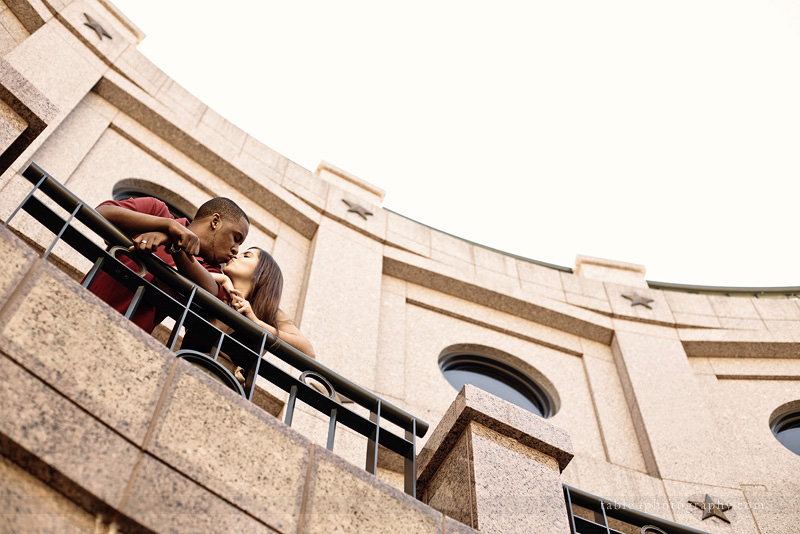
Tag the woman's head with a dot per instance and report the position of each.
(257, 275)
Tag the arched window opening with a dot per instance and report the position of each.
(786, 429)
(135, 188)
(500, 378)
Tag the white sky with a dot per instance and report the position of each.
(659, 133)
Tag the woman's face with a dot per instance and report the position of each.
(243, 265)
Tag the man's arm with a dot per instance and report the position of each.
(153, 231)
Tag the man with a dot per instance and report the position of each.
(214, 235)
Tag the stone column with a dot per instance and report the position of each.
(495, 467)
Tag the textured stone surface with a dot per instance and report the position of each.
(54, 332)
(29, 505)
(473, 404)
(72, 449)
(518, 489)
(163, 500)
(343, 498)
(685, 513)
(617, 272)
(659, 311)
(337, 250)
(17, 259)
(451, 489)
(613, 414)
(663, 396)
(233, 448)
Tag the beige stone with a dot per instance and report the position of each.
(739, 516)
(404, 233)
(663, 396)
(777, 309)
(613, 414)
(344, 282)
(738, 307)
(40, 423)
(503, 460)
(54, 332)
(657, 312)
(164, 500)
(17, 260)
(345, 499)
(616, 272)
(233, 448)
(350, 184)
(30, 505)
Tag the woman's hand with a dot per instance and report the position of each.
(242, 305)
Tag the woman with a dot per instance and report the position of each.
(254, 283)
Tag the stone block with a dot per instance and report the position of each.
(613, 414)
(65, 446)
(17, 259)
(496, 466)
(451, 489)
(341, 311)
(610, 271)
(343, 498)
(689, 303)
(404, 233)
(344, 206)
(695, 320)
(740, 520)
(362, 191)
(629, 308)
(736, 307)
(778, 309)
(30, 505)
(539, 274)
(163, 500)
(306, 185)
(495, 261)
(233, 448)
(114, 371)
(518, 489)
(266, 155)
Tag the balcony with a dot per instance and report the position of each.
(107, 416)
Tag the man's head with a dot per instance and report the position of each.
(221, 226)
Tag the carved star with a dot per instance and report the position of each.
(357, 208)
(98, 29)
(638, 300)
(712, 509)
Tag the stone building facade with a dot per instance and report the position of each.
(655, 396)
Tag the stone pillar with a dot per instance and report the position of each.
(495, 467)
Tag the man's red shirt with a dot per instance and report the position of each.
(117, 295)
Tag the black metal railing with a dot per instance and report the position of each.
(590, 514)
(193, 310)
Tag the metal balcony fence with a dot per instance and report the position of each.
(193, 310)
(590, 514)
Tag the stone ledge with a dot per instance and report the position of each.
(473, 404)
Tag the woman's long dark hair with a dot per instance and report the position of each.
(267, 286)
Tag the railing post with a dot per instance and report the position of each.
(495, 467)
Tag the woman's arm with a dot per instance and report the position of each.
(287, 330)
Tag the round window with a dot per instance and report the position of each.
(787, 430)
(497, 378)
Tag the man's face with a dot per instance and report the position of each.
(223, 240)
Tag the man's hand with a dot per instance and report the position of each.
(184, 239)
(179, 235)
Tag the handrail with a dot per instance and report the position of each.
(607, 508)
(203, 304)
